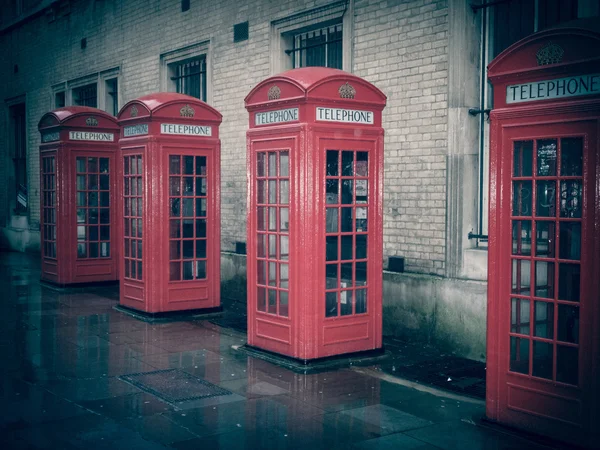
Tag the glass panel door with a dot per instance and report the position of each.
(546, 216)
(132, 216)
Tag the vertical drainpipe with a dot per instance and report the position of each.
(482, 118)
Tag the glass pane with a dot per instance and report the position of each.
(139, 248)
(93, 165)
(332, 191)
(570, 240)
(285, 219)
(104, 199)
(571, 157)
(200, 207)
(188, 228)
(272, 301)
(521, 198)
(284, 192)
(127, 273)
(272, 164)
(93, 182)
(331, 276)
(568, 282)
(93, 249)
(332, 248)
(188, 249)
(174, 250)
(260, 192)
(175, 271)
(200, 228)
(544, 320)
(126, 247)
(174, 165)
(188, 207)
(544, 279)
(567, 364)
(523, 158)
(261, 299)
(331, 304)
(200, 186)
(362, 164)
(546, 199)
(272, 246)
(261, 272)
(126, 186)
(200, 165)
(521, 237)
(568, 324)
(81, 232)
(546, 157)
(80, 165)
(283, 303)
(361, 301)
(346, 303)
(361, 246)
(332, 163)
(284, 164)
(284, 276)
(103, 165)
(93, 215)
(93, 233)
(105, 233)
(361, 274)
(331, 220)
(261, 245)
(81, 182)
(347, 247)
(346, 275)
(81, 216)
(174, 186)
(284, 249)
(521, 274)
(542, 360)
(347, 193)
(545, 239)
(104, 215)
(188, 165)
(347, 163)
(104, 182)
(105, 249)
(272, 191)
(260, 164)
(188, 270)
(519, 316)
(361, 219)
(272, 274)
(175, 207)
(92, 198)
(570, 199)
(261, 224)
(200, 248)
(273, 219)
(139, 228)
(347, 224)
(200, 269)
(175, 228)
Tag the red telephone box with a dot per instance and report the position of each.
(543, 345)
(169, 175)
(315, 171)
(77, 219)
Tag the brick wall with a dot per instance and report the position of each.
(400, 46)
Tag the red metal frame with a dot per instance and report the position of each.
(544, 375)
(169, 175)
(335, 219)
(78, 181)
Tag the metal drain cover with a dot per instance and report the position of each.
(174, 385)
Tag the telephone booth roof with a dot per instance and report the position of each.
(572, 46)
(77, 116)
(161, 105)
(314, 84)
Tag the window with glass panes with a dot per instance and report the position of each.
(188, 215)
(189, 77)
(132, 215)
(86, 95)
(49, 206)
(321, 47)
(346, 214)
(273, 233)
(93, 207)
(547, 194)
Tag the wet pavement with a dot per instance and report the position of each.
(75, 373)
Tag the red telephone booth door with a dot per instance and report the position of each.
(547, 286)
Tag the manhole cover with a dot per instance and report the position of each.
(174, 386)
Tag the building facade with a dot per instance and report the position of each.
(427, 56)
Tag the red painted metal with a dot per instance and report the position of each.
(169, 178)
(315, 245)
(77, 185)
(543, 339)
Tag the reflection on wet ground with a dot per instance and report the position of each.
(65, 356)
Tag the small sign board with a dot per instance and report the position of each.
(135, 130)
(91, 136)
(50, 137)
(556, 88)
(278, 116)
(344, 115)
(185, 129)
